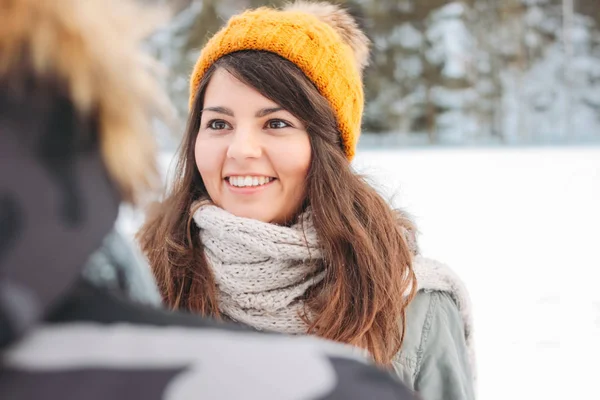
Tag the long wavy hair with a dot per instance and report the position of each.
(368, 261)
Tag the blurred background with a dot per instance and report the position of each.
(482, 121)
(447, 72)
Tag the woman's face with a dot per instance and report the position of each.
(253, 155)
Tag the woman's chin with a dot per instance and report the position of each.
(250, 213)
(261, 213)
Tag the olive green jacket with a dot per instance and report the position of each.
(437, 359)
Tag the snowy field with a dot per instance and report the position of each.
(521, 226)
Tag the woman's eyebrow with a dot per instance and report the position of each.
(220, 110)
(259, 114)
(266, 111)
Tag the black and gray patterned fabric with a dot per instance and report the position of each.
(99, 345)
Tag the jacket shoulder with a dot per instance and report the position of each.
(288, 367)
(419, 315)
(428, 309)
(434, 357)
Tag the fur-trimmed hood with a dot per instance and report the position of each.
(92, 48)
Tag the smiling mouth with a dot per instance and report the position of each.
(249, 181)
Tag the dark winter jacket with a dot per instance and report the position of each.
(97, 344)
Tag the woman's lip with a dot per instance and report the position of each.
(250, 174)
(247, 189)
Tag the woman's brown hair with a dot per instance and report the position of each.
(369, 280)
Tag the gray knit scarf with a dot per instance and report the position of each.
(262, 270)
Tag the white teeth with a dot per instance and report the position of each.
(243, 181)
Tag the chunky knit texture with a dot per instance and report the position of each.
(320, 38)
(262, 270)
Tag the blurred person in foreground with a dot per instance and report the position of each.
(76, 102)
(268, 224)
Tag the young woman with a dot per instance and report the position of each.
(267, 224)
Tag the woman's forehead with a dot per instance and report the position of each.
(225, 94)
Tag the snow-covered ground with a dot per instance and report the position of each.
(521, 226)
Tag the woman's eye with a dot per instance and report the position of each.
(217, 125)
(277, 124)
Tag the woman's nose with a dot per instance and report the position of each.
(244, 144)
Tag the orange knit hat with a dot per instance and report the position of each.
(322, 39)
